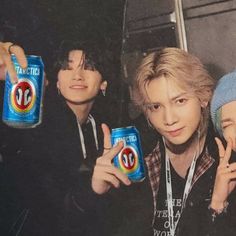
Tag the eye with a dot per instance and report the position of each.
(226, 125)
(181, 101)
(153, 107)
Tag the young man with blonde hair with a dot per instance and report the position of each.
(187, 177)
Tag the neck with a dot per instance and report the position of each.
(187, 150)
(81, 111)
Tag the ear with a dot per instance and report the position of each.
(58, 85)
(204, 104)
(103, 85)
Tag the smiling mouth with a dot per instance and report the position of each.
(78, 87)
(175, 133)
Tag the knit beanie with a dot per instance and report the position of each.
(224, 93)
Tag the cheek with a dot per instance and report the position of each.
(230, 133)
(194, 115)
(62, 82)
(154, 119)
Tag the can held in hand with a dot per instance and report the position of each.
(22, 105)
(130, 158)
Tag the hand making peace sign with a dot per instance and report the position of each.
(105, 174)
(225, 181)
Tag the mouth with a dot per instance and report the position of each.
(78, 86)
(175, 133)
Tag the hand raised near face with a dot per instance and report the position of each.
(6, 49)
(105, 174)
(225, 181)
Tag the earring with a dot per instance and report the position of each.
(104, 92)
(58, 92)
(204, 104)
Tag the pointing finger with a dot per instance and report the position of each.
(220, 148)
(6, 49)
(18, 51)
(228, 151)
(107, 138)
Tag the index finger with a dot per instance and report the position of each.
(20, 55)
(18, 51)
(221, 149)
(228, 151)
(224, 154)
(6, 64)
(107, 138)
(5, 58)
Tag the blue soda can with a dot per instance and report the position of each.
(130, 158)
(22, 105)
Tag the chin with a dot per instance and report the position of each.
(178, 140)
(175, 141)
(79, 101)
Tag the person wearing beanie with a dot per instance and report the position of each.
(223, 108)
(223, 116)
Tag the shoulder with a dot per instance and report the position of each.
(154, 158)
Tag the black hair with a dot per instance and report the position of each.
(95, 58)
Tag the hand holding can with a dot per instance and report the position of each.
(105, 174)
(23, 101)
(130, 159)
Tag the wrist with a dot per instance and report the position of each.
(217, 205)
(218, 208)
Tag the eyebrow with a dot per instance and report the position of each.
(172, 99)
(178, 96)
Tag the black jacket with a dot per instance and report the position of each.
(46, 164)
(196, 219)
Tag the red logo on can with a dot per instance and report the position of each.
(128, 159)
(23, 96)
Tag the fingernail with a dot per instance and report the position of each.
(121, 143)
(118, 143)
(15, 80)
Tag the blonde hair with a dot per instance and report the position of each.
(174, 63)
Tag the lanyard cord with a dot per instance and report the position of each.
(90, 119)
(169, 190)
(94, 129)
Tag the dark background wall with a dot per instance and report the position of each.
(40, 27)
(209, 27)
(209, 32)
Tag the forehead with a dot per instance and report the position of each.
(75, 55)
(163, 88)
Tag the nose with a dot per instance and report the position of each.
(78, 74)
(170, 116)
